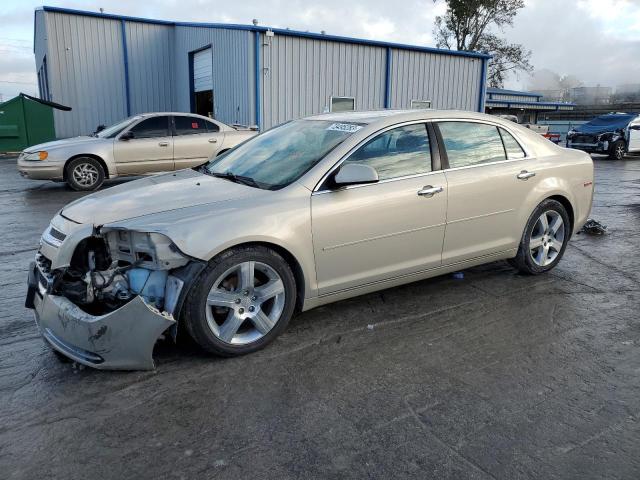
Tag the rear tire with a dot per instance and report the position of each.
(84, 174)
(241, 301)
(617, 150)
(544, 239)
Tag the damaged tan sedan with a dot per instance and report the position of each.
(310, 212)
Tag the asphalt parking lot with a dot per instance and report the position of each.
(496, 375)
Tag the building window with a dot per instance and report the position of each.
(343, 104)
(420, 104)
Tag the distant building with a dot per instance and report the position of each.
(590, 95)
(524, 105)
(553, 95)
(629, 92)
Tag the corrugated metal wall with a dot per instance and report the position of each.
(450, 82)
(231, 70)
(86, 71)
(299, 76)
(150, 58)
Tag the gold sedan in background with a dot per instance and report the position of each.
(139, 145)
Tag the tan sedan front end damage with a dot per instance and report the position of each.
(119, 340)
(96, 316)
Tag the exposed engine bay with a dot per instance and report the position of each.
(108, 270)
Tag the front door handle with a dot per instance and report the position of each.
(429, 191)
(524, 175)
(213, 140)
(164, 144)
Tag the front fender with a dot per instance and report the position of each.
(283, 220)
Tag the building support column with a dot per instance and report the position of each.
(483, 85)
(126, 66)
(258, 79)
(387, 81)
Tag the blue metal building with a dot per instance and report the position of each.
(525, 105)
(107, 67)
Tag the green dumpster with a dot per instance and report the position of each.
(26, 121)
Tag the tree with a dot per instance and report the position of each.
(467, 25)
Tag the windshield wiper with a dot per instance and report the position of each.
(236, 178)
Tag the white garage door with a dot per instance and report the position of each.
(202, 71)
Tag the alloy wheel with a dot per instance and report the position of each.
(245, 303)
(85, 174)
(620, 152)
(547, 238)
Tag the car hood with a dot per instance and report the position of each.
(66, 142)
(160, 193)
(605, 123)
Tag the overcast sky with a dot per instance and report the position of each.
(596, 40)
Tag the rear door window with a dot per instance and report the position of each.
(189, 125)
(471, 143)
(511, 145)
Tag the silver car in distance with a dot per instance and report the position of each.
(310, 212)
(139, 145)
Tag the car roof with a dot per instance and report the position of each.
(396, 116)
(153, 114)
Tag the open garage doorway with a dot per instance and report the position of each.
(201, 73)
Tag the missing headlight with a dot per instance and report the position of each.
(145, 249)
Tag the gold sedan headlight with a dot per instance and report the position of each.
(42, 155)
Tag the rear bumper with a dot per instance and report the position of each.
(120, 340)
(43, 170)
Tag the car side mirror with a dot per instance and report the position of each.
(355, 174)
(127, 135)
(635, 127)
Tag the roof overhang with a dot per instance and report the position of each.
(278, 31)
(540, 106)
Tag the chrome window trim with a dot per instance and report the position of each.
(388, 180)
(337, 165)
(497, 162)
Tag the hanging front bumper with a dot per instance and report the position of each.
(119, 340)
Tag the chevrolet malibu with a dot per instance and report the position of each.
(310, 212)
(142, 144)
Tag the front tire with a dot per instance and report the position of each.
(241, 302)
(84, 174)
(617, 150)
(544, 239)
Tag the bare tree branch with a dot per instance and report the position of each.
(467, 23)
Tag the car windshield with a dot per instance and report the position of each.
(281, 155)
(116, 128)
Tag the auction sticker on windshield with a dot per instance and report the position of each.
(344, 127)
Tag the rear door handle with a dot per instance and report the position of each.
(429, 191)
(164, 144)
(213, 140)
(524, 175)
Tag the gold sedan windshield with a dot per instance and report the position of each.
(280, 156)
